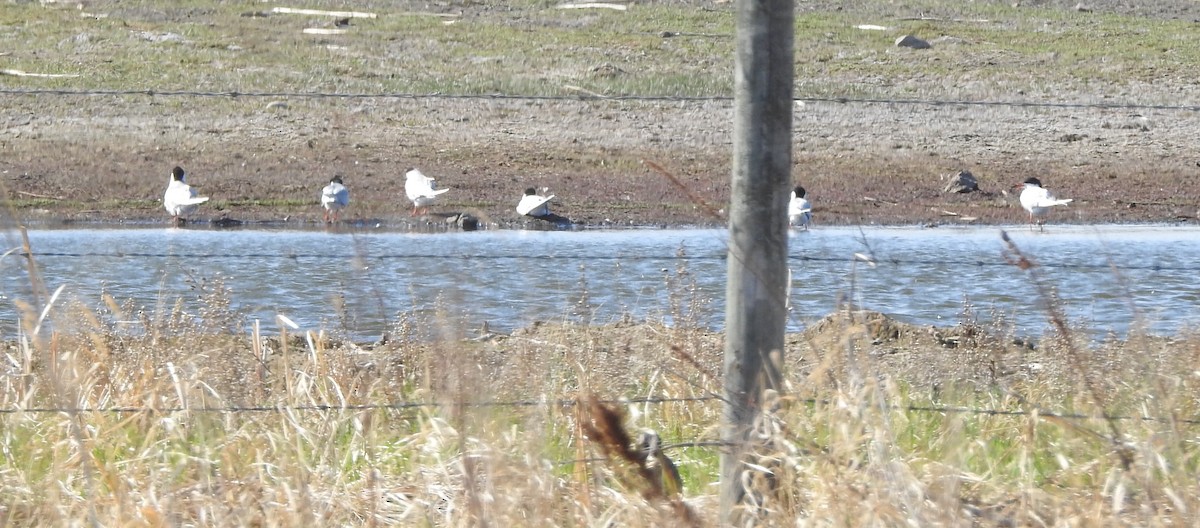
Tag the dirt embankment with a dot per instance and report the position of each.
(269, 164)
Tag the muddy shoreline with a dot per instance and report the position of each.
(107, 161)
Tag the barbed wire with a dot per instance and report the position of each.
(831, 99)
(562, 403)
(398, 406)
(1040, 413)
(898, 262)
(343, 95)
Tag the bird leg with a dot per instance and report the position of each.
(1036, 221)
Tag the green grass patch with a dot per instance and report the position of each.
(535, 49)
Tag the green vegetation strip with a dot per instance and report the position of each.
(534, 49)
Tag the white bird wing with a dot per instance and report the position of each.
(1055, 201)
(335, 194)
(1031, 196)
(417, 184)
(799, 206)
(194, 200)
(530, 202)
(1034, 196)
(179, 193)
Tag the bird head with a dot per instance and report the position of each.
(648, 443)
(1029, 181)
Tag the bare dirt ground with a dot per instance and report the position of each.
(1118, 168)
(106, 158)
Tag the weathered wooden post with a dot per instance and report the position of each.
(755, 316)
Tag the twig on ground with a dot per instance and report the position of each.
(339, 14)
(594, 5)
(36, 195)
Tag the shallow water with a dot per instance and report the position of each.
(356, 282)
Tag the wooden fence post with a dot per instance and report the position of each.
(755, 313)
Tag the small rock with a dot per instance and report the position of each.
(963, 182)
(225, 221)
(607, 70)
(465, 221)
(162, 37)
(909, 41)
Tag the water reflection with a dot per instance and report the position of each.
(357, 282)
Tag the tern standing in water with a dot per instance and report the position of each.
(419, 189)
(334, 197)
(1037, 200)
(799, 209)
(181, 200)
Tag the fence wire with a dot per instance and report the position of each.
(656, 400)
(394, 406)
(829, 99)
(878, 260)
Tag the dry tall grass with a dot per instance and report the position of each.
(114, 416)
